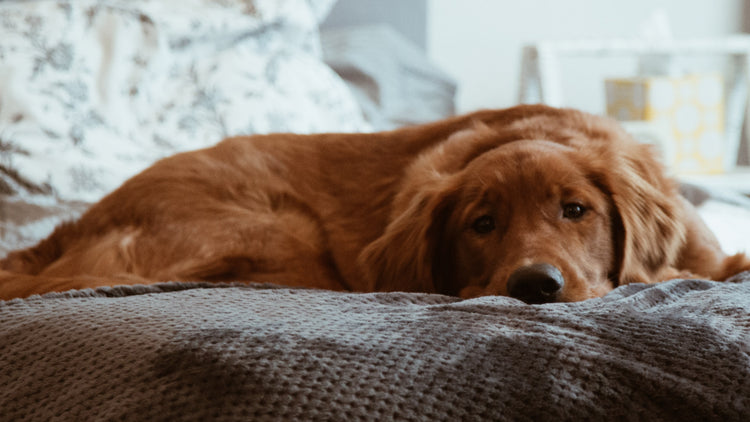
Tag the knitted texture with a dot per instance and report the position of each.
(678, 350)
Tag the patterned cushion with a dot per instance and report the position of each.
(92, 91)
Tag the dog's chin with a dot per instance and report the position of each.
(469, 292)
(587, 292)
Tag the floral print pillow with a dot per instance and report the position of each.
(93, 91)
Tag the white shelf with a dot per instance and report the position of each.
(737, 180)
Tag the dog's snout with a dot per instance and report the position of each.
(536, 283)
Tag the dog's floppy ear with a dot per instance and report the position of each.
(403, 258)
(649, 226)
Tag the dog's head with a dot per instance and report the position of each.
(545, 208)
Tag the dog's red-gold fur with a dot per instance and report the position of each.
(456, 207)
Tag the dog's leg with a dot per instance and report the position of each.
(702, 254)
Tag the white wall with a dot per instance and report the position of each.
(479, 41)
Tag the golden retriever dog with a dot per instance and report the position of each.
(533, 202)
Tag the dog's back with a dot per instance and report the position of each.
(346, 211)
(210, 214)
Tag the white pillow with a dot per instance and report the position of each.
(93, 91)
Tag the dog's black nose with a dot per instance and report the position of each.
(536, 283)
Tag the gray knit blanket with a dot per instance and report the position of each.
(679, 351)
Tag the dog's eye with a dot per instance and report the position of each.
(573, 211)
(483, 224)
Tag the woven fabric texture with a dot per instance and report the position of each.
(679, 350)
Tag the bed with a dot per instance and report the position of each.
(93, 91)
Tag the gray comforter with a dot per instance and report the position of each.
(674, 351)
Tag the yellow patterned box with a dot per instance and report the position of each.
(692, 106)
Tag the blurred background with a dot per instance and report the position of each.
(479, 42)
